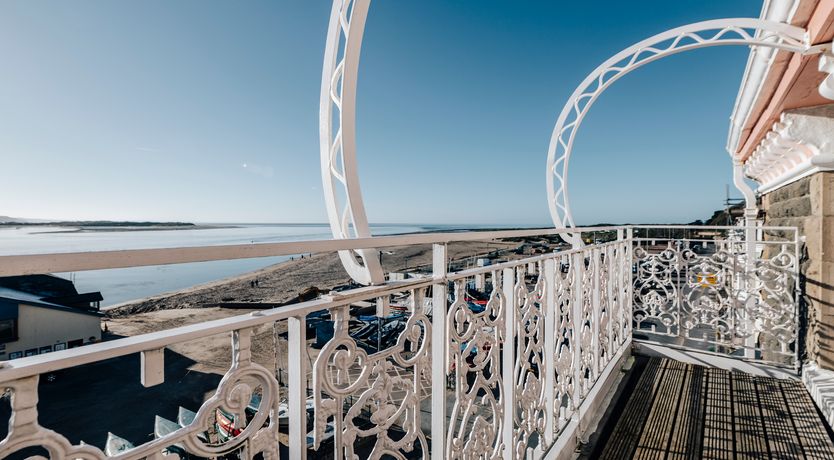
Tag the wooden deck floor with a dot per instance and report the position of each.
(676, 411)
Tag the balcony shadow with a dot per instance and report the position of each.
(84, 402)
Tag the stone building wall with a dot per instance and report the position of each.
(808, 204)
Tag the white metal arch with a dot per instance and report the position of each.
(733, 31)
(337, 138)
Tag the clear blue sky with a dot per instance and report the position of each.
(149, 110)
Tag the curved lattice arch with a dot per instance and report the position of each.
(734, 31)
(337, 138)
(337, 122)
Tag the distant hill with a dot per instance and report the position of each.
(720, 217)
(19, 220)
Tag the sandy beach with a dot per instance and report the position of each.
(282, 283)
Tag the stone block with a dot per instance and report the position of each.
(795, 189)
(791, 207)
(826, 235)
(827, 185)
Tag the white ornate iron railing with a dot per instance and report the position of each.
(510, 360)
(707, 289)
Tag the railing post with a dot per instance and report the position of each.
(797, 239)
(747, 283)
(439, 353)
(508, 362)
(297, 391)
(549, 370)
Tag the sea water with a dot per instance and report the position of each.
(125, 284)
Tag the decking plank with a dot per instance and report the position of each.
(750, 434)
(660, 423)
(681, 411)
(814, 439)
(718, 416)
(782, 439)
(686, 440)
(624, 439)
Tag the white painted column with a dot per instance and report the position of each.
(439, 353)
(297, 391)
(508, 363)
(751, 211)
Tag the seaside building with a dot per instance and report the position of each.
(613, 342)
(40, 314)
(782, 136)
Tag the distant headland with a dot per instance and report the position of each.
(96, 225)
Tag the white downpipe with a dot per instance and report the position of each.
(751, 211)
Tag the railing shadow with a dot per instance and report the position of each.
(86, 402)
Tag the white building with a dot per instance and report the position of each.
(33, 324)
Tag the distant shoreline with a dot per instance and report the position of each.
(110, 226)
(95, 223)
(72, 229)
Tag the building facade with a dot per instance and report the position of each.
(782, 137)
(42, 313)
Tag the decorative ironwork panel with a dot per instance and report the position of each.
(255, 433)
(529, 362)
(605, 294)
(588, 324)
(707, 303)
(621, 309)
(655, 290)
(772, 313)
(566, 346)
(373, 399)
(475, 341)
(718, 296)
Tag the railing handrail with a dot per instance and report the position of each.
(40, 364)
(598, 280)
(716, 227)
(30, 264)
(57, 360)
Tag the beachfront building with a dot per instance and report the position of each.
(626, 342)
(40, 314)
(782, 137)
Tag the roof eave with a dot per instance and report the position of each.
(756, 72)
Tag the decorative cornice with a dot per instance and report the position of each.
(786, 155)
(827, 66)
(758, 68)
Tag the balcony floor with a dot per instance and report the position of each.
(673, 410)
